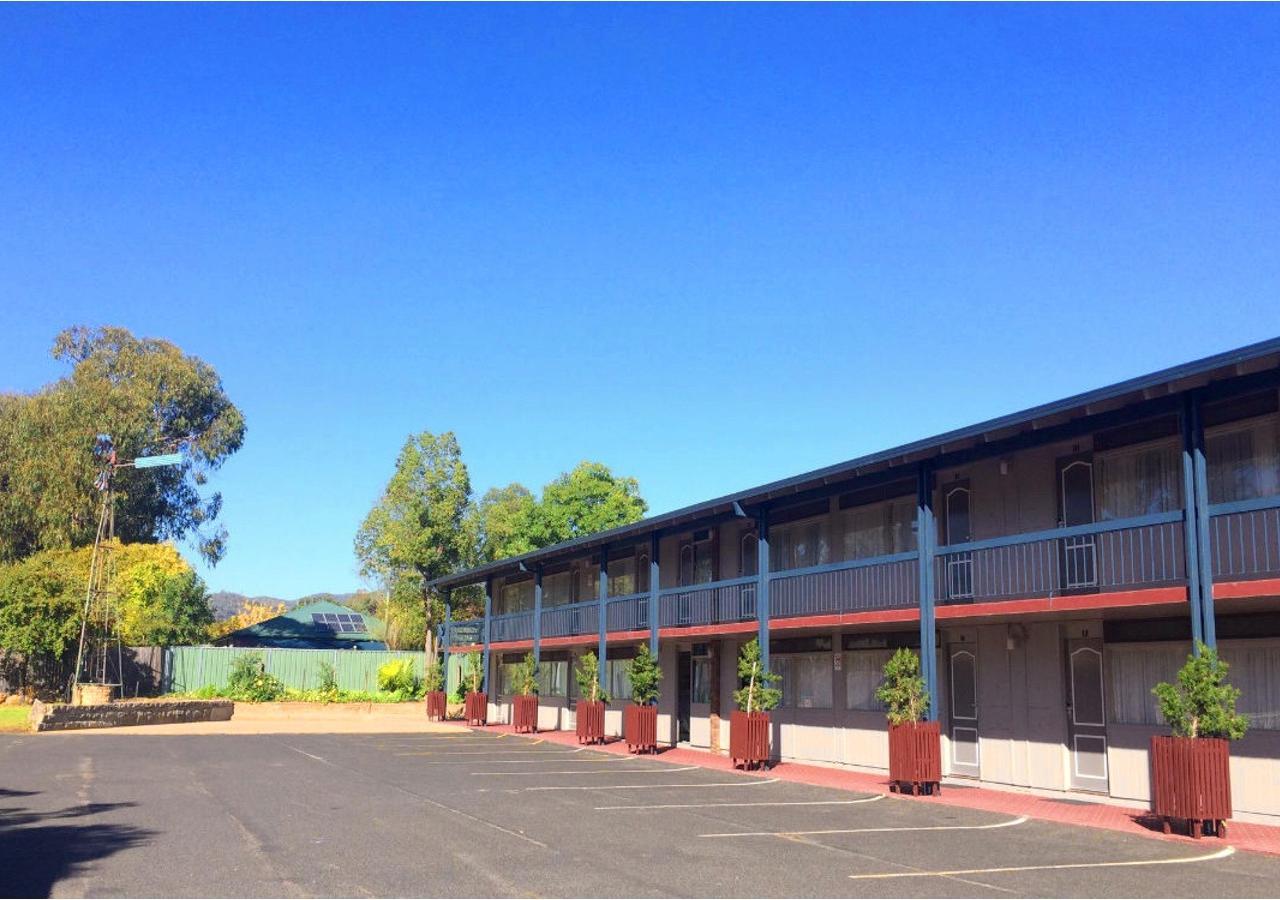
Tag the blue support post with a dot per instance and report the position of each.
(537, 614)
(653, 593)
(1208, 621)
(926, 535)
(488, 614)
(762, 586)
(1190, 522)
(602, 598)
(446, 638)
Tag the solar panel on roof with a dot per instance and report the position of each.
(338, 622)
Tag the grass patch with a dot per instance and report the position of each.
(14, 718)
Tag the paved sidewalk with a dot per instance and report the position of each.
(1132, 820)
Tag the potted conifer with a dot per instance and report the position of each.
(475, 705)
(433, 684)
(1191, 769)
(915, 746)
(640, 719)
(525, 703)
(749, 723)
(591, 702)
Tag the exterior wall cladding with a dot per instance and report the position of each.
(1073, 552)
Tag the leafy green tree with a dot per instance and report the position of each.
(645, 676)
(587, 674)
(433, 677)
(586, 500)
(758, 692)
(903, 689)
(473, 672)
(1202, 703)
(418, 530)
(525, 677)
(506, 522)
(151, 398)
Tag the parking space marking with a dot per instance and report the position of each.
(787, 834)
(645, 787)
(558, 760)
(589, 772)
(951, 873)
(525, 753)
(872, 799)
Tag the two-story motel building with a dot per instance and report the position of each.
(1053, 565)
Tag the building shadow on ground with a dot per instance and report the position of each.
(39, 848)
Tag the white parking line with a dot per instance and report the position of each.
(525, 753)
(1221, 854)
(733, 834)
(589, 772)
(642, 787)
(871, 799)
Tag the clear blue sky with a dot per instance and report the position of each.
(709, 246)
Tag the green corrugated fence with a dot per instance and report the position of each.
(187, 669)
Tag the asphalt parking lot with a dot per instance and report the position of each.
(478, 814)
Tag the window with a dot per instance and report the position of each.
(516, 596)
(619, 684)
(557, 588)
(622, 577)
(1139, 480)
(863, 673)
(553, 677)
(586, 581)
(799, 545)
(696, 565)
(879, 529)
(700, 691)
(1244, 460)
(506, 678)
(806, 680)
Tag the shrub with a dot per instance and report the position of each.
(328, 690)
(433, 677)
(903, 689)
(249, 680)
(645, 676)
(757, 693)
(587, 673)
(525, 677)
(475, 671)
(397, 677)
(1202, 704)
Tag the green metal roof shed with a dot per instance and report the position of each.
(321, 625)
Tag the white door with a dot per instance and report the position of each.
(1086, 715)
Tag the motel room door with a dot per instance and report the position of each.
(963, 713)
(1077, 556)
(684, 694)
(1086, 715)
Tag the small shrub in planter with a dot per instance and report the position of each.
(749, 723)
(525, 703)
(475, 704)
(640, 718)
(590, 708)
(433, 685)
(915, 746)
(1191, 769)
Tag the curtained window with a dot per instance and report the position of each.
(799, 545)
(806, 679)
(863, 673)
(1243, 460)
(1139, 480)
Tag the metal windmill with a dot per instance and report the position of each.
(100, 656)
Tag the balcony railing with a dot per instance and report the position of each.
(517, 626)
(733, 600)
(628, 613)
(570, 619)
(1124, 554)
(857, 585)
(1244, 539)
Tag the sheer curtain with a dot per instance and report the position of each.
(1244, 460)
(1139, 481)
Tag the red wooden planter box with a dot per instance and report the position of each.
(524, 714)
(590, 721)
(1191, 780)
(437, 704)
(749, 738)
(915, 757)
(640, 728)
(475, 708)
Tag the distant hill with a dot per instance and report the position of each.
(227, 603)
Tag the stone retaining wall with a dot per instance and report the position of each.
(64, 716)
